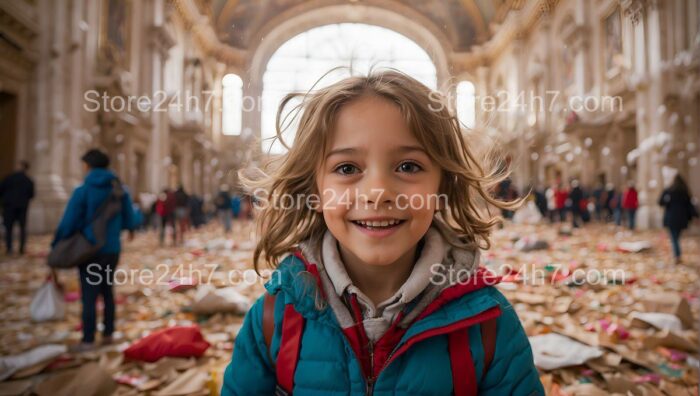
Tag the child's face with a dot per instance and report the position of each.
(378, 186)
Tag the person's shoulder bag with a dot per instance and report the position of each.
(77, 250)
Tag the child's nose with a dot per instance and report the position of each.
(377, 188)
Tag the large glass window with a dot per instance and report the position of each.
(358, 48)
(466, 103)
(232, 106)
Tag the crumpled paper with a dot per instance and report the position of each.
(39, 355)
(553, 351)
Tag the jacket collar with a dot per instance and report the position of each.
(300, 281)
(432, 253)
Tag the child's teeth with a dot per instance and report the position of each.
(383, 223)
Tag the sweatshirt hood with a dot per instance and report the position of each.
(439, 266)
(100, 177)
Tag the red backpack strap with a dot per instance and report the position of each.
(464, 380)
(268, 326)
(290, 344)
(463, 372)
(488, 341)
(288, 356)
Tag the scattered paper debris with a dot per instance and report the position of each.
(553, 351)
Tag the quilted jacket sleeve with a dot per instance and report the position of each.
(73, 216)
(512, 371)
(250, 372)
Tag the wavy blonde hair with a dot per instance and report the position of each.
(466, 181)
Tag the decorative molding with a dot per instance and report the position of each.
(17, 60)
(518, 23)
(161, 39)
(17, 23)
(478, 19)
(579, 38)
(205, 36)
(634, 9)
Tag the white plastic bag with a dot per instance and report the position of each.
(552, 351)
(48, 303)
(209, 300)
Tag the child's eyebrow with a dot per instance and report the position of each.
(345, 150)
(351, 150)
(411, 148)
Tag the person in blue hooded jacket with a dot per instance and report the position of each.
(372, 221)
(97, 277)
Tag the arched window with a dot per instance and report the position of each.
(466, 103)
(232, 106)
(305, 58)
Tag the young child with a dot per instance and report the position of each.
(377, 289)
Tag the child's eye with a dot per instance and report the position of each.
(346, 169)
(409, 167)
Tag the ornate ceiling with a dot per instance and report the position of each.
(463, 22)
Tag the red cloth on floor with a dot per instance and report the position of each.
(173, 342)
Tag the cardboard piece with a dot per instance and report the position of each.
(584, 390)
(662, 321)
(671, 303)
(12, 388)
(670, 339)
(88, 380)
(192, 381)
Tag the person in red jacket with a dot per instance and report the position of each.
(630, 203)
(560, 196)
(165, 207)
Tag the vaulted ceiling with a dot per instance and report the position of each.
(463, 22)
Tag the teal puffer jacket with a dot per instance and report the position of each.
(327, 364)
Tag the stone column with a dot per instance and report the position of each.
(649, 89)
(521, 162)
(155, 53)
(252, 108)
(186, 165)
(50, 192)
(217, 105)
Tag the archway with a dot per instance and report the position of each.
(278, 31)
(299, 63)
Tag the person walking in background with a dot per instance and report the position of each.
(540, 200)
(197, 217)
(506, 192)
(551, 202)
(614, 205)
(575, 198)
(585, 206)
(96, 278)
(223, 207)
(236, 205)
(182, 212)
(608, 196)
(165, 207)
(16, 190)
(138, 217)
(678, 212)
(598, 199)
(560, 197)
(630, 203)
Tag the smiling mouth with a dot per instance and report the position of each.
(378, 224)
